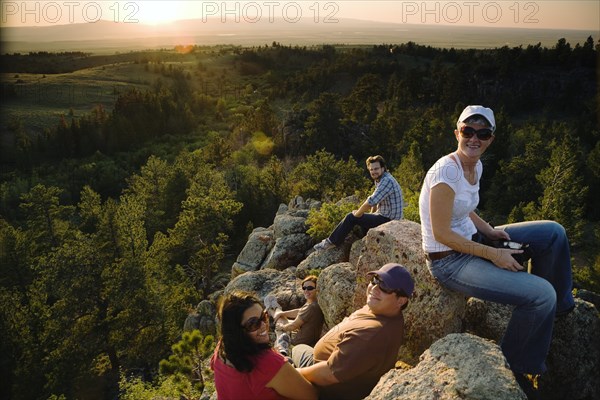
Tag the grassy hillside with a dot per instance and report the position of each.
(38, 100)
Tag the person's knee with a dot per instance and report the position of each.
(559, 230)
(302, 355)
(300, 349)
(350, 217)
(545, 296)
(555, 228)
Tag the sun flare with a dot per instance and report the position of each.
(158, 12)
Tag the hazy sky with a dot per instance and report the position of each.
(521, 14)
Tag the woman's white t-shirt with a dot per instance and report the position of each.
(466, 197)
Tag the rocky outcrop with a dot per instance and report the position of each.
(282, 284)
(282, 245)
(450, 363)
(590, 297)
(433, 311)
(318, 260)
(458, 366)
(487, 319)
(574, 357)
(260, 242)
(336, 285)
(574, 353)
(288, 251)
(288, 224)
(203, 318)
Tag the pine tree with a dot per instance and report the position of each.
(564, 192)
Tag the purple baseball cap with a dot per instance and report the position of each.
(395, 276)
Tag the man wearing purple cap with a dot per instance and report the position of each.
(457, 243)
(348, 361)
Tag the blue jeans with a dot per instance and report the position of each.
(366, 221)
(536, 297)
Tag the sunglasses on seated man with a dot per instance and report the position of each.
(377, 281)
(482, 134)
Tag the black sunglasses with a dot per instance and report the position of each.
(254, 323)
(309, 288)
(482, 134)
(377, 281)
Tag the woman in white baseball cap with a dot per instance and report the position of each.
(453, 233)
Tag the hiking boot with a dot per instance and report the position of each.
(529, 385)
(324, 245)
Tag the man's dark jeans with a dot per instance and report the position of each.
(367, 221)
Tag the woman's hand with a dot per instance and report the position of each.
(497, 234)
(503, 258)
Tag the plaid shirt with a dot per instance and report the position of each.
(388, 197)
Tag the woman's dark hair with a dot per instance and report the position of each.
(235, 344)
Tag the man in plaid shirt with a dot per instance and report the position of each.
(386, 202)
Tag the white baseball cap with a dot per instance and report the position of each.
(485, 112)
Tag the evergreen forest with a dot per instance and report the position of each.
(115, 222)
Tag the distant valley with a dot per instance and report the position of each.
(109, 37)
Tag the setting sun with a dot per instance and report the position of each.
(158, 12)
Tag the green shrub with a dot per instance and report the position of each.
(321, 222)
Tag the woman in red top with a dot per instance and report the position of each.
(244, 362)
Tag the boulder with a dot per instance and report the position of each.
(574, 352)
(288, 251)
(590, 297)
(336, 289)
(202, 319)
(298, 203)
(574, 358)
(259, 244)
(324, 258)
(286, 224)
(282, 284)
(458, 366)
(434, 311)
(283, 208)
(487, 319)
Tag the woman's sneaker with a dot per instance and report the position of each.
(271, 304)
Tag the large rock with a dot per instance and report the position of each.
(283, 284)
(286, 224)
(280, 246)
(487, 319)
(288, 251)
(590, 297)
(202, 319)
(298, 203)
(574, 352)
(259, 244)
(458, 366)
(574, 358)
(433, 311)
(336, 289)
(324, 258)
